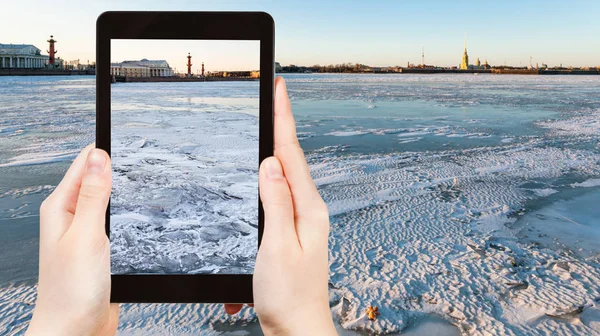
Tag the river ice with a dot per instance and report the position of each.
(185, 181)
(458, 204)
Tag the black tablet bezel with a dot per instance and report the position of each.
(185, 288)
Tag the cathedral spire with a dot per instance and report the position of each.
(465, 60)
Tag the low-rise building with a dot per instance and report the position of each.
(250, 74)
(77, 65)
(24, 56)
(142, 68)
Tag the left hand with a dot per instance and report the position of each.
(74, 275)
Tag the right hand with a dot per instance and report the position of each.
(291, 272)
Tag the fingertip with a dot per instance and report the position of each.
(271, 168)
(97, 160)
(280, 86)
(70, 182)
(279, 81)
(282, 100)
(94, 194)
(232, 309)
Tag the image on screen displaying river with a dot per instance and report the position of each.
(458, 203)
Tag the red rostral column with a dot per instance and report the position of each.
(202, 69)
(51, 52)
(189, 65)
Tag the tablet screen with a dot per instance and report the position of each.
(184, 148)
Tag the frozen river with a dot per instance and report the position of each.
(459, 202)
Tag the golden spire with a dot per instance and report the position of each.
(465, 60)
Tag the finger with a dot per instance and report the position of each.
(277, 202)
(56, 212)
(70, 184)
(93, 195)
(287, 150)
(306, 199)
(231, 308)
(113, 319)
(114, 310)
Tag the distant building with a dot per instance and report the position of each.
(250, 74)
(129, 70)
(25, 56)
(142, 68)
(72, 65)
(77, 65)
(59, 63)
(478, 65)
(464, 65)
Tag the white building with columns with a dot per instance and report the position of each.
(23, 56)
(142, 68)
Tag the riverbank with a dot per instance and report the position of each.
(429, 71)
(46, 72)
(506, 71)
(125, 79)
(54, 72)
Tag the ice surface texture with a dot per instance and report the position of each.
(185, 180)
(470, 198)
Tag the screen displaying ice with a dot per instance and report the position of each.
(184, 147)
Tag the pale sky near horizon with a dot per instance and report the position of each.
(377, 33)
(217, 55)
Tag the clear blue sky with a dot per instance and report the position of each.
(372, 32)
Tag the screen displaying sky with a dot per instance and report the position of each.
(376, 33)
(216, 55)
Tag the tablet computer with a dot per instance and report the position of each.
(185, 110)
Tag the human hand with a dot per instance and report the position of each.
(74, 275)
(291, 274)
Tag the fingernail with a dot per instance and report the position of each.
(95, 161)
(273, 169)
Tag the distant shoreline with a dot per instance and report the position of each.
(56, 72)
(46, 72)
(456, 71)
(172, 79)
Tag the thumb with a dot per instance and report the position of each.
(277, 202)
(94, 192)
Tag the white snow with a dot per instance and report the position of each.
(346, 133)
(184, 187)
(437, 236)
(545, 192)
(40, 158)
(587, 184)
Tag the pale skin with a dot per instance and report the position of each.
(291, 272)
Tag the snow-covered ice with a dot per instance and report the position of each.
(460, 204)
(185, 181)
